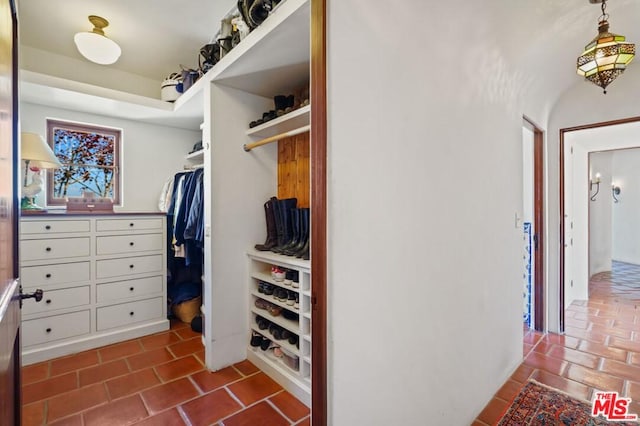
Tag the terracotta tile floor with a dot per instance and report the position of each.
(154, 380)
(600, 348)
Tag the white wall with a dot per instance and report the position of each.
(425, 179)
(600, 221)
(626, 226)
(150, 153)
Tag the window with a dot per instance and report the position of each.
(90, 157)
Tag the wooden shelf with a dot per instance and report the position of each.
(293, 120)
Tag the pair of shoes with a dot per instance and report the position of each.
(262, 304)
(265, 288)
(296, 302)
(283, 104)
(291, 298)
(263, 324)
(274, 310)
(256, 339)
(288, 277)
(280, 294)
(278, 332)
(265, 344)
(293, 339)
(277, 273)
(290, 315)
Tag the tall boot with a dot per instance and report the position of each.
(304, 249)
(303, 233)
(294, 222)
(272, 233)
(283, 226)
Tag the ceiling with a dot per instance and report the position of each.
(156, 36)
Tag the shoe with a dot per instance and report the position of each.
(272, 235)
(256, 339)
(274, 310)
(264, 345)
(290, 102)
(282, 295)
(267, 289)
(260, 287)
(263, 324)
(293, 339)
(295, 281)
(277, 352)
(280, 103)
(291, 298)
(279, 275)
(289, 315)
(288, 277)
(296, 303)
(262, 304)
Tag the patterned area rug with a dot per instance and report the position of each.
(538, 405)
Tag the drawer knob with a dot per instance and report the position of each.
(131, 243)
(48, 330)
(48, 301)
(48, 276)
(47, 227)
(131, 289)
(131, 313)
(131, 224)
(131, 266)
(48, 249)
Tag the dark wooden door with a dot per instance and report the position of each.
(9, 286)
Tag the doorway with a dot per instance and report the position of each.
(577, 187)
(533, 225)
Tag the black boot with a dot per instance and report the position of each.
(272, 233)
(295, 228)
(282, 221)
(303, 234)
(303, 252)
(280, 103)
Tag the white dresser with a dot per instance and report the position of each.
(103, 276)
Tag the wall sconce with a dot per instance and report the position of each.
(615, 190)
(594, 181)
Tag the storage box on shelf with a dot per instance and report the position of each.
(293, 368)
(103, 278)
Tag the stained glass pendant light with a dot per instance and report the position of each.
(607, 55)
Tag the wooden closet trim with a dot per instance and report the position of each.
(318, 91)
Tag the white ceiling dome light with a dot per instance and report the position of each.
(95, 46)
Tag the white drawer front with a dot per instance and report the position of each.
(54, 248)
(59, 273)
(130, 265)
(56, 299)
(128, 224)
(43, 330)
(126, 289)
(129, 243)
(54, 226)
(129, 313)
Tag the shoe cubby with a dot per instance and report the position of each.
(291, 365)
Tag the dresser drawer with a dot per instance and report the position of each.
(43, 330)
(54, 226)
(127, 289)
(128, 313)
(57, 299)
(54, 248)
(59, 273)
(128, 243)
(128, 224)
(129, 265)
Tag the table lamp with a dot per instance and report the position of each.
(36, 155)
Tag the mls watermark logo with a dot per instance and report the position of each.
(612, 407)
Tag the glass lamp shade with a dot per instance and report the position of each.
(605, 57)
(97, 48)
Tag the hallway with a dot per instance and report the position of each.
(600, 348)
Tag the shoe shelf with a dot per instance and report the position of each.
(283, 343)
(198, 155)
(274, 301)
(298, 382)
(290, 121)
(290, 325)
(266, 277)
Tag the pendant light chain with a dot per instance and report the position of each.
(605, 16)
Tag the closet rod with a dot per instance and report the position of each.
(249, 146)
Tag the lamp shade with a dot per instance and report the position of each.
(35, 149)
(95, 46)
